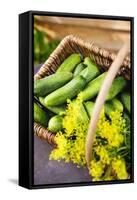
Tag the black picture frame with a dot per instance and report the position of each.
(26, 141)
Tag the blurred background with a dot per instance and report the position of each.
(49, 31)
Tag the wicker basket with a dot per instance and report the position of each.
(71, 44)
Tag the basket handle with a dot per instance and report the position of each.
(112, 72)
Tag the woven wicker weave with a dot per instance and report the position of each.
(71, 44)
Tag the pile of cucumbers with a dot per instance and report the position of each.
(76, 75)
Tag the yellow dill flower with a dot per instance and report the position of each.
(103, 153)
(119, 167)
(96, 169)
(78, 152)
(112, 130)
(109, 137)
(61, 151)
(75, 124)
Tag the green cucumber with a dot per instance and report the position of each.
(93, 87)
(69, 91)
(83, 116)
(40, 116)
(79, 68)
(126, 100)
(117, 86)
(109, 106)
(51, 83)
(59, 110)
(113, 105)
(117, 105)
(89, 105)
(55, 123)
(70, 63)
(41, 100)
(91, 71)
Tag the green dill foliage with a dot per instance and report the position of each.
(43, 46)
(111, 144)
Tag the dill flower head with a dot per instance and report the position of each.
(107, 164)
(60, 152)
(103, 154)
(75, 124)
(119, 167)
(96, 169)
(112, 130)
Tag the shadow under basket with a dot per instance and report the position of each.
(71, 44)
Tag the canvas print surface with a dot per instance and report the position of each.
(71, 60)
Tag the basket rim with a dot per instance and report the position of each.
(91, 46)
